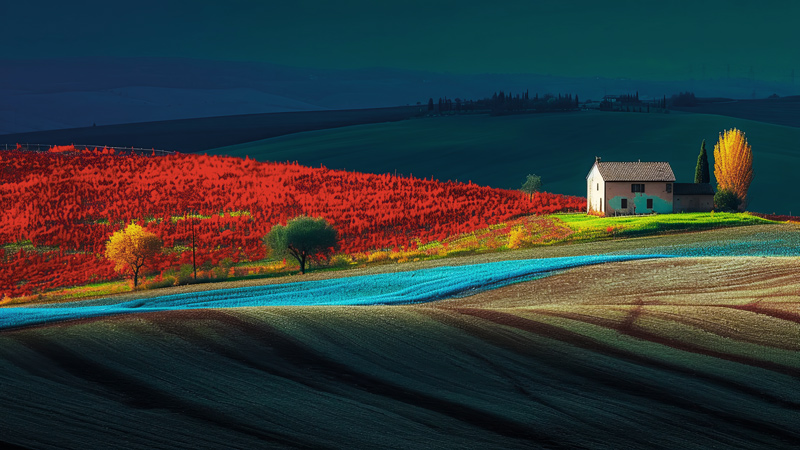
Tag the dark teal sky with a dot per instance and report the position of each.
(653, 40)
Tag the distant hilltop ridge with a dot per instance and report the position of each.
(62, 93)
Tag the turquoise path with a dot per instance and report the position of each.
(383, 289)
(759, 244)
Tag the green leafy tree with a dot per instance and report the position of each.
(302, 238)
(532, 184)
(726, 200)
(701, 171)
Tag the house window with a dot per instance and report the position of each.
(598, 186)
(669, 188)
(624, 204)
(637, 187)
(649, 203)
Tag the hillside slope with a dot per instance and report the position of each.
(779, 111)
(549, 371)
(501, 151)
(660, 353)
(196, 135)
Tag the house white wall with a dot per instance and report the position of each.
(595, 191)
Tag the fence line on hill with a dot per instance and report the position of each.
(132, 150)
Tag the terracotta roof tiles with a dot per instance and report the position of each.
(635, 171)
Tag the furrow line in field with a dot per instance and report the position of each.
(138, 393)
(581, 341)
(629, 328)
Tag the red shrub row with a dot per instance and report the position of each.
(777, 217)
(74, 199)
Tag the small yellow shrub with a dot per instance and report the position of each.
(515, 237)
(378, 257)
(340, 260)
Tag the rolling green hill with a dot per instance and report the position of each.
(500, 151)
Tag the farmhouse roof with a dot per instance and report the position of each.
(635, 171)
(692, 189)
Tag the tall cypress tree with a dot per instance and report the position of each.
(701, 174)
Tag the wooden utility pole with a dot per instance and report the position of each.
(194, 257)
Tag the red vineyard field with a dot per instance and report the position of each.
(67, 202)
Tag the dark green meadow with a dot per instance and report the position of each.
(560, 147)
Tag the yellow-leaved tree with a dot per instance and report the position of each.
(733, 164)
(131, 248)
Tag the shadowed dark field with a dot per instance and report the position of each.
(551, 363)
(778, 111)
(196, 135)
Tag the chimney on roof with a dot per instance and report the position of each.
(597, 159)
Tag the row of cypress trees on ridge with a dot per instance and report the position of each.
(502, 103)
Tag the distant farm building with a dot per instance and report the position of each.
(621, 188)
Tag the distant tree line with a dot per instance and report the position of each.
(502, 103)
(630, 98)
(631, 103)
(684, 99)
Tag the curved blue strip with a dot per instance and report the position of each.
(383, 289)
